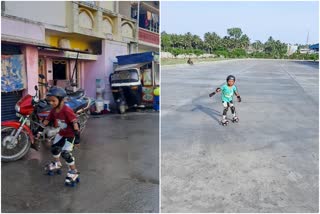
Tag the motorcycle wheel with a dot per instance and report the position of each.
(12, 151)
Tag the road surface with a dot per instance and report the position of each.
(268, 162)
(119, 166)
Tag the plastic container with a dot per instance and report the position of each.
(99, 83)
(156, 103)
(106, 105)
(99, 105)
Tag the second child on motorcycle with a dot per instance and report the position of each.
(69, 134)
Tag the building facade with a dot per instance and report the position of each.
(146, 15)
(64, 40)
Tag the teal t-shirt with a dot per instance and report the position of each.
(227, 92)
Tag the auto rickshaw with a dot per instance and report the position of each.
(134, 79)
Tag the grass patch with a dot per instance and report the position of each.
(184, 61)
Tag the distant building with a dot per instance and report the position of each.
(292, 49)
(314, 48)
(304, 50)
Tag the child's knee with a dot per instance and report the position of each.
(67, 156)
(225, 104)
(56, 150)
(225, 110)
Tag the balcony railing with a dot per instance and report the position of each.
(149, 37)
(147, 19)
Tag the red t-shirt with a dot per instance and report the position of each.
(63, 119)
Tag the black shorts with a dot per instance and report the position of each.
(61, 142)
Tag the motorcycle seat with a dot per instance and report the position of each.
(77, 94)
(76, 105)
(80, 107)
(43, 106)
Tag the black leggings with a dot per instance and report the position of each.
(226, 106)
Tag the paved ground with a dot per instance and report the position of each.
(266, 163)
(119, 165)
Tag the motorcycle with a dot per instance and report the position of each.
(19, 136)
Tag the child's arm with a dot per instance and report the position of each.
(76, 132)
(238, 96)
(76, 126)
(48, 118)
(213, 93)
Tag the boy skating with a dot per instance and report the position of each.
(227, 92)
(65, 118)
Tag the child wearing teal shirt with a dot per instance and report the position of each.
(227, 92)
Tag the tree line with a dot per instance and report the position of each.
(235, 44)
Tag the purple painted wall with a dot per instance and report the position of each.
(102, 68)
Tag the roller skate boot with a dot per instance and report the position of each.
(72, 178)
(53, 167)
(235, 119)
(224, 122)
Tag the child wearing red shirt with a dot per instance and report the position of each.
(64, 118)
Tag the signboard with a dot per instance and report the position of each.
(13, 73)
(147, 94)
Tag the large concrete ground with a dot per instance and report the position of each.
(119, 166)
(268, 162)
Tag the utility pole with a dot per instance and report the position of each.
(137, 34)
(307, 43)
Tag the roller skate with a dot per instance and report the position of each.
(53, 167)
(224, 122)
(235, 119)
(72, 178)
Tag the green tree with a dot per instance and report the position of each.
(187, 40)
(244, 42)
(257, 45)
(212, 41)
(196, 42)
(165, 41)
(234, 33)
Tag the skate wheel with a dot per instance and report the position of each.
(59, 172)
(50, 173)
(66, 183)
(78, 180)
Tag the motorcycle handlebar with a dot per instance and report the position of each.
(43, 84)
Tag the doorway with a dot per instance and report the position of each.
(59, 68)
(42, 70)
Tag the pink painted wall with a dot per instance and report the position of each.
(31, 56)
(49, 68)
(22, 30)
(102, 68)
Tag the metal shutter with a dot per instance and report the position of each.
(8, 102)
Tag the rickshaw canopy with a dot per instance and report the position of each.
(145, 57)
(129, 66)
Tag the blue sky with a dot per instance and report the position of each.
(286, 21)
